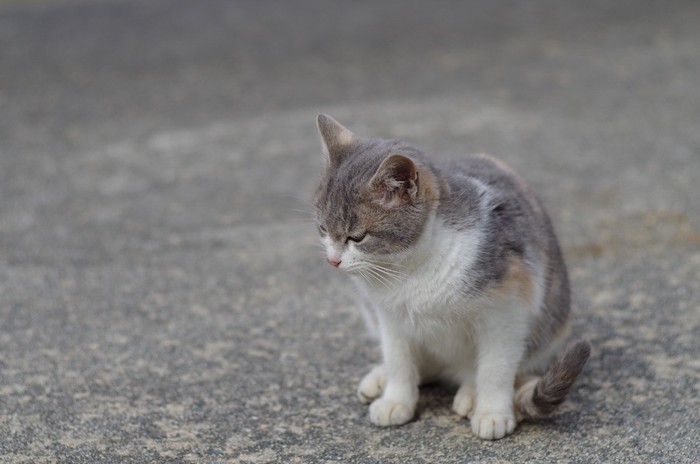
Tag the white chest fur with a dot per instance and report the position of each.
(430, 294)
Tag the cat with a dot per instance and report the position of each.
(461, 276)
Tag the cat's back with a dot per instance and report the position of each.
(482, 189)
(486, 175)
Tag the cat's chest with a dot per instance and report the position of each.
(437, 285)
(428, 292)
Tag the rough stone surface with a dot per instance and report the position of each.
(162, 298)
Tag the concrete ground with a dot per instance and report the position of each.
(162, 298)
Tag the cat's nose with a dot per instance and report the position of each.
(333, 262)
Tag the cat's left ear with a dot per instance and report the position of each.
(396, 181)
(336, 139)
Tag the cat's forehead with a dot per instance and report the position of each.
(341, 184)
(337, 202)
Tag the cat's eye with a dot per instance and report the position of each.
(358, 237)
(322, 230)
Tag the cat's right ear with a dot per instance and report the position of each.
(335, 138)
(396, 181)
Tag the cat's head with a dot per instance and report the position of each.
(374, 199)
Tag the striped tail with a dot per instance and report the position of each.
(540, 396)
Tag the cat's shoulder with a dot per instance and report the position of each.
(483, 183)
(487, 175)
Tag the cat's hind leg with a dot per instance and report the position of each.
(372, 384)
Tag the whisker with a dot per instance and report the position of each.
(388, 263)
(363, 272)
(303, 211)
(298, 198)
(305, 215)
(389, 279)
(368, 276)
(384, 280)
(303, 220)
(390, 272)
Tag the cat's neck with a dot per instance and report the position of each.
(439, 249)
(425, 247)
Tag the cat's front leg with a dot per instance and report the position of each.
(500, 348)
(397, 404)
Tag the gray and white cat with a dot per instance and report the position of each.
(461, 274)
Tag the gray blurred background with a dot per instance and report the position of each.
(162, 298)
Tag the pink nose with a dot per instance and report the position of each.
(333, 262)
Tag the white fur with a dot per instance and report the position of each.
(429, 329)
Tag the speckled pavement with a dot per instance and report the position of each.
(162, 297)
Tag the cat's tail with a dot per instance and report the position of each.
(540, 396)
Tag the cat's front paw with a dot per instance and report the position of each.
(372, 385)
(386, 412)
(492, 426)
(463, 403)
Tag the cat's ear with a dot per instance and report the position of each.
(335, 138)
(396, 181)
